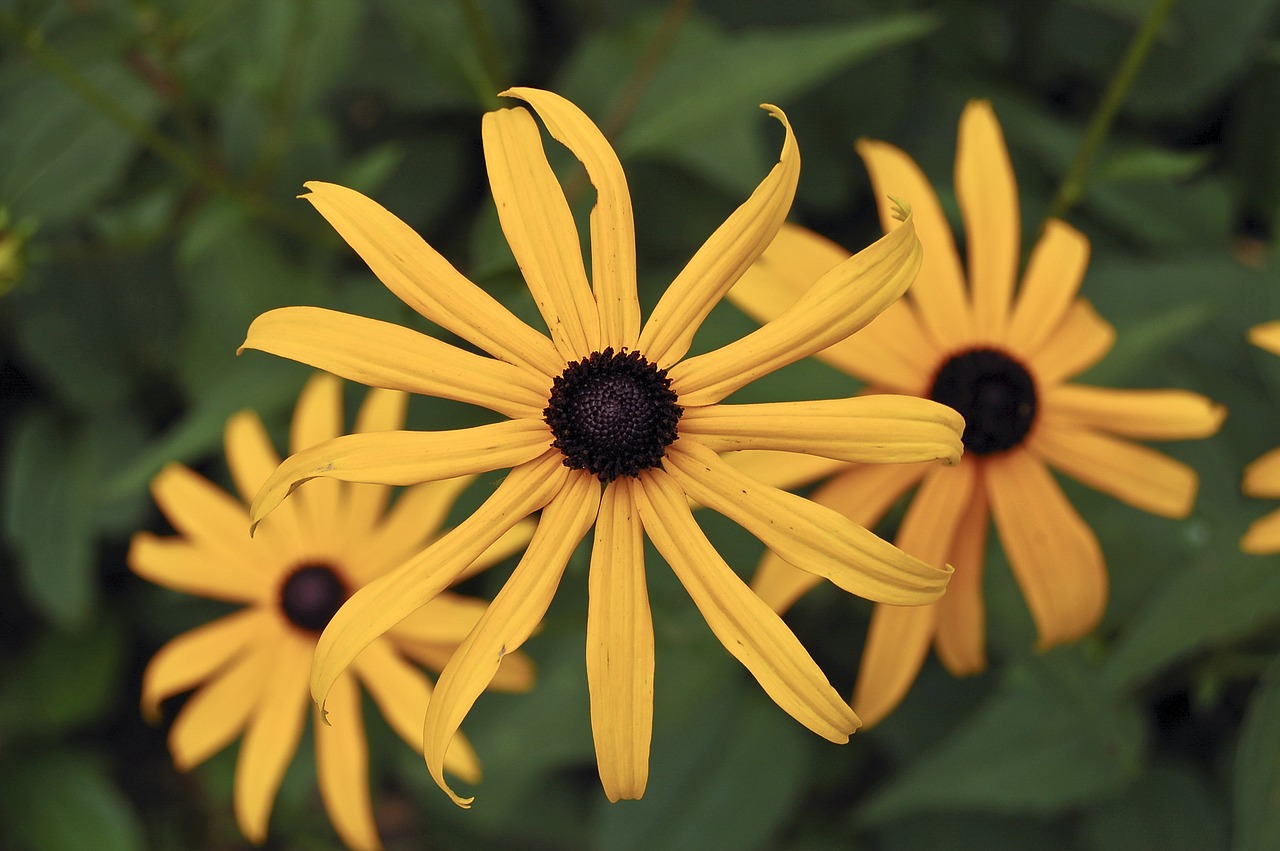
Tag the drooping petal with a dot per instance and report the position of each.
(386, 601)
(342, 769)
(1266, 336)
(1053, 276)
(899, 637)
(747, 628)
(1132, 473)
(722, 259)
(1143, 414)
(838, 304)
(809, 536)
(988, 196)
(272, 737)
(1082, 340)
(382, 410)
(195, 569)
(383, 354)
(962, 632)
(539, 227)
(195, 656)
(863, 494)
(1262, 476)
(882, 428)
(406, 457)
(613, 238)
(425, 281)
(220, 709)
(939, 291)
(1052, 551)
(620, 647)
(510, 619)
(1263, 535)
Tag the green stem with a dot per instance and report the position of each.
(1071, 189)
(649, 63)
(487, 50)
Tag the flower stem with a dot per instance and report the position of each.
(486, 50)
(649, 63)
(1071, 190)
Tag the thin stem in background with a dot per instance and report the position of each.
(487, 50)
(1071, 190)
(649, 63)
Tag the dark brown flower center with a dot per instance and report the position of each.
(311, 596)
(993, 392)
(612, 414)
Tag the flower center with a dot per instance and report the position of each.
(612, 414)
(311, 596)
(993, 392)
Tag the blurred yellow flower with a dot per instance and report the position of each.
(250, 668)
(608, 424)
(1002, 360)
(1262, 477)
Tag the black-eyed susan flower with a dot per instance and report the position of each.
(607, 424)
(249, 669)
(1262, 477)
(1002, 359)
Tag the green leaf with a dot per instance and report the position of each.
(1051, 737)
(1168, 809)
(66, 801)
(1257, 773)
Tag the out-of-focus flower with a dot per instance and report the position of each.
(1262, 477)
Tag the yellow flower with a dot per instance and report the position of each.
(1002, 360)
(609, 424)
(1262, 477)
(250, 668)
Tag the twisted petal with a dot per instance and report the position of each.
(193, 569)
(613, 238)
(879, 429)
(193, 657)
(342, 768)
(723, 258)
(386, 601)
(1266, 336)
(1052, 551)
(540, 230)
(838, 304)
(383, 354)
(620, 646)
(1078, 343)
(1134, 474)
(406, 457)
(961, 638)
(747, 628)
(899, 637)
(1262, 476)
(1052, 279)
(939, 291)
(810, 536)
(510, 619)
(425, 281)
(220, 709)
(988, 197)
(1144, 414)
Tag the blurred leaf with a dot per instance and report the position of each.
(1168, 809)
(66, 801)
(1257, 770)
(969, 832)
(1146, 163)
(1146, 342)
(1051, 737)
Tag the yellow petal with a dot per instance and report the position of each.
(251, 456)
(444, 620)
(1144, 414)
(271, 738)
(863, 494)
(892, 353)
(386, 601)
(342, 770)
(1134, 474)
(1263, 535)
(988, 198)
(425, 281)
(193, 569)
(620, 647)
(1052, 279)
(204, 513)
(539, 227)
(613, 239)
(838, 304)
(1266, 336)
(961, 635)
(809, 536)
(414, 520)
(382, 354)
(407, 457)
(516, 673)
(747, 628)
(220, 709)
(881, 429)
(793, 261)
(195, 656)
(1052, 551)
(786, 470)
(1082, 340)
(1262, 476)
(510, 619)
(722, 259)
(382, 410)
(317, 417)
(939, 291)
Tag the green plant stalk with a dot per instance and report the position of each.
(487, 51)
(1071, 190)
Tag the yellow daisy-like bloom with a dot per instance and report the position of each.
(1262, 477)
(250, 668)
(609, 424)
(1002, 359)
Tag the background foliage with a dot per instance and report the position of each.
(150, 152)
